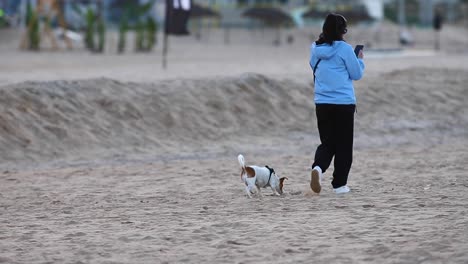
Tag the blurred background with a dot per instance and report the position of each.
(119, 26)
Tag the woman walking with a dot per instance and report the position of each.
(335, 66)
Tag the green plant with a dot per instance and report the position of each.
(140, 37)
(28, 12)
(33, 31)
(411, 8)
(123, 28)
(145, 30)
(151, 31)
(89, 29)
(2, 18)
(93, 25)
(101, 29)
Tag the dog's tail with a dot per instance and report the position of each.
(241, 160)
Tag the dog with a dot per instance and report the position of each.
(255, 178)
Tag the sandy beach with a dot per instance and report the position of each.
(111, 159)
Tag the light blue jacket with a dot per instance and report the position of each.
(335, 73)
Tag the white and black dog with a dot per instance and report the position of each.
(256, 177)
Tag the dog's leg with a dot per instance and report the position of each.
(259, 191)
(275, 192)
(247, 190)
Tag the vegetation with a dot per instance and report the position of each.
(94, 25)
(146, 35)
(134, 17)
(140, 36)
(32, 22)
(145, 27)
(411, 6)
(151, 31)
(89, 29)
(123, 28)
(101, 30)
(2, 18)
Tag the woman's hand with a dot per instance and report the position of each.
(361, 54)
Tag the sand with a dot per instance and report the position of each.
(407, 205)
(113, 160)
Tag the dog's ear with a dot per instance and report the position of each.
(282, 182)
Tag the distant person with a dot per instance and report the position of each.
(437, 25)
(406, 39)
(335, 66)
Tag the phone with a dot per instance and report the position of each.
(358, 49)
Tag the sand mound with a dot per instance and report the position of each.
(417, 106)
(83, 119)
(101, 118)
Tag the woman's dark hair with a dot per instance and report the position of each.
(334, 28)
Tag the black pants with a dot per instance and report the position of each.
(336, 128)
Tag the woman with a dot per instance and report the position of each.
(335, 66)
